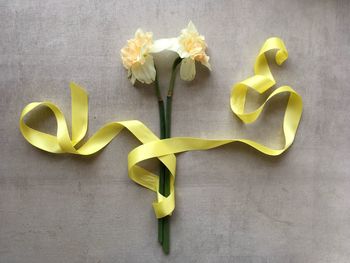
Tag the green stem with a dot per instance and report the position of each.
(166, 223)
(162, 167)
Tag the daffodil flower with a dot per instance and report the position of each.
(137, 59)
(190, 46)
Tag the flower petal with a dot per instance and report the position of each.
(165, 44)
(188, 69)
(192, 27)
(132, 78)
(206, 64)
(145, 73)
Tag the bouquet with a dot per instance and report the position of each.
(138, 60)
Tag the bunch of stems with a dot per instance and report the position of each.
(165, 132)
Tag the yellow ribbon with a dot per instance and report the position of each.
(165, 150)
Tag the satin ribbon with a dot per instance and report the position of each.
(165, 150)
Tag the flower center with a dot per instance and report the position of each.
(137, 49)
(194, 45)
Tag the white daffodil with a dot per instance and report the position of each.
(137, 59)
(190, 46)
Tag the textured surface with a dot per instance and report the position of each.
(233, 204)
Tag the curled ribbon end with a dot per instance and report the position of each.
(164, 206)
(281, 56)
(75, 86)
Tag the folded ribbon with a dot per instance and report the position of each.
(165, 150)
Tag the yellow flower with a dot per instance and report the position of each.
(137, 59)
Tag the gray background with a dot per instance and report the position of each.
(233, 203)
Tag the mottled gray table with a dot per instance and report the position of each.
(233, 203)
